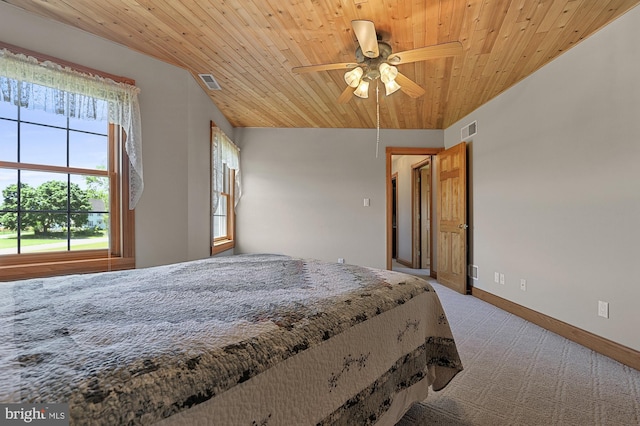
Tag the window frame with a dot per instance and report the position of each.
(121, 253)
(221, 244)
(227, 242)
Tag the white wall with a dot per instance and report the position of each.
(303, 191)
(172, 217)
(556, 185)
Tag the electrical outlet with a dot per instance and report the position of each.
(523, 284)
(502, 279)
(496, 277)
(603, 309)
(340, 260)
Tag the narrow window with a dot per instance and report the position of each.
(225, 190)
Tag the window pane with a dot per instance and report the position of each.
(220, 219)
(93, 234)
(43, 145)
(8, 140)
(89, 201)
(57, 100)
(87, 151)
(8, 110)
(225, 178)
(90, 193)
(8, 209)
(222, 206)
(8, 181)
(8, 240)
(44, 191)
(219, 227)
(42, 117)
(94, 126)
(50, 233)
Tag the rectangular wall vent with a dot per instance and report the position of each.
(468, 131)
(473, 271)
(211, 82)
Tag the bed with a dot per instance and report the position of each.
(240, 340)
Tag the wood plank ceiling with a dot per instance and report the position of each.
(250, 47)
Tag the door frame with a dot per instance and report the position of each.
(389, 152)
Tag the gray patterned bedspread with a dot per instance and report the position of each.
(134, 347)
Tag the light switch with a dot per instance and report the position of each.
(367, 202)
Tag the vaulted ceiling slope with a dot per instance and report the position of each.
(250, 47)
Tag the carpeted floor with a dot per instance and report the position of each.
(517, 373)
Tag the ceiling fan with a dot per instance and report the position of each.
(374, 59)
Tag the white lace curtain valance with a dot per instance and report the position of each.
(223, 151)
(46, 84)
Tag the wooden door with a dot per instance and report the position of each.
(452, 218)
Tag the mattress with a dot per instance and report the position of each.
(247, 340)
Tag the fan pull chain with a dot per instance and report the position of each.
(377, 118)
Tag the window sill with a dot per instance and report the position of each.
(222, 245)
(76, 266)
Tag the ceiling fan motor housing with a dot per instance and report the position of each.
(371, 65)
(384, 50)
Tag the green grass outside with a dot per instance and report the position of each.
(30, 239)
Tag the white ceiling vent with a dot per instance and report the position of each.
(468, 131)
(211, 82)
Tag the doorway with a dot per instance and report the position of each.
(390, 196)
(421, 207)
(449, 254)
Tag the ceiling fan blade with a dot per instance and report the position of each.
(408, 86)
(365, 32)
(324, 67)
(346, 95)
(424, 53)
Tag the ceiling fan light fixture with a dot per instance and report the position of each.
(352, 78)
(388, 73)
(363, 90)
(391, 87)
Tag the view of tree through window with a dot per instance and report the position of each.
(54, 182)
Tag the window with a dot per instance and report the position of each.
(225, 190)
(64, 168)
(223, 216)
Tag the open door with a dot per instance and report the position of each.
(452, 217)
